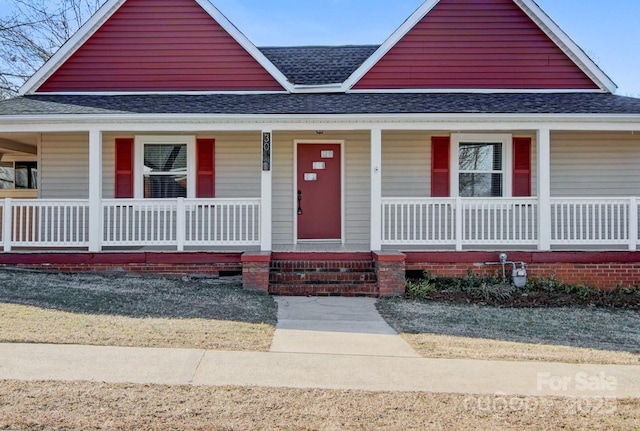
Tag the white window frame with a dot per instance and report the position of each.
(141, 140)
(505, 139)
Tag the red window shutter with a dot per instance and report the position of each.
(124, 168)
(521, 166)
(205, 168)
(440, 175)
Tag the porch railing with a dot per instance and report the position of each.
(503, 221)
(593, 221)
(130, 222)
(45, 223)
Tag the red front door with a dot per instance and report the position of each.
(319, 199)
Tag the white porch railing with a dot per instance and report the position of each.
(131, 222)
(593, 221)
(45, 223)
(505, 221)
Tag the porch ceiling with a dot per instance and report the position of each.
(18, 143)
(323, 104)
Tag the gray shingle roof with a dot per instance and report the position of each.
(339, 103)
(318, 65)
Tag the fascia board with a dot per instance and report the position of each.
(567, 45)
(71, 46)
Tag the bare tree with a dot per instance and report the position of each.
(31, 31)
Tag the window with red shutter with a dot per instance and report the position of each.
(124, 168)
(205, 168)
(440, 166)
(521, 166)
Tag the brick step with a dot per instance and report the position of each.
(338, 289)
(322, 266)
(343, 272)
(322, 277)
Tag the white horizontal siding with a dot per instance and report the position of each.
(64, 166)
(594, 164)
(238, 164)
(406, 164)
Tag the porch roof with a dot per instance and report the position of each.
(323, 104)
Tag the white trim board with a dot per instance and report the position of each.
(108, 9)
(530, 8)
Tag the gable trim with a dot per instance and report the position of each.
(531, 9)
(107, 10)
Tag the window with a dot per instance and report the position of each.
(481, 165)
(165, 167)
(165, 171)
(18, 175)
(480, 170)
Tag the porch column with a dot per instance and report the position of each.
(266, 194)
(95, 191)
(376, 189)
(544, 189)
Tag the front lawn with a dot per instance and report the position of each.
(120, 310)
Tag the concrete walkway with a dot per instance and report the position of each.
(327, 343)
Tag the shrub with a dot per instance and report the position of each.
(421, 289)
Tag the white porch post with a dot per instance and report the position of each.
(376, 189)
(633, 224)
(266, 194)
(7, 223)
(95, 191)
(544, 189)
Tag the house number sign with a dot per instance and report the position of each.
(266, 151)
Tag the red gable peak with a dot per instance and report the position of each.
(161, 45)
(475, 44)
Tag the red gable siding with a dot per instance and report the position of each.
(155, 45)
(490, 44)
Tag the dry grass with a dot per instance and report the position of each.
(94, 406)
(447, 346)
(573, 335)
(118, 310)
(25, 324)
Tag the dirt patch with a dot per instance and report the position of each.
(93, 406)
(572, 334)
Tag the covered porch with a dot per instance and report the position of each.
(583, 190)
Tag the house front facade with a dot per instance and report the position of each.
(477, 127)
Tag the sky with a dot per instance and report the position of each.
(607, 30)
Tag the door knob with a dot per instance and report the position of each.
(299, 202)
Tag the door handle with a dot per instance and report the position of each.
(299, 202)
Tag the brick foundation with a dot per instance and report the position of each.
(255, 270)
(390, 270)
(147, 263)
(605, 270)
